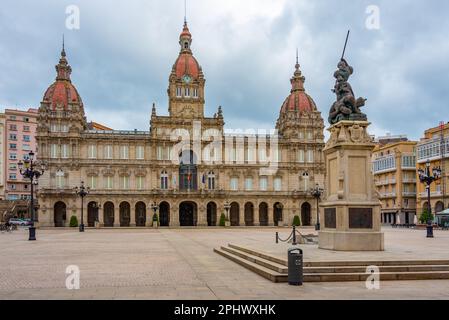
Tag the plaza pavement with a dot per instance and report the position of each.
(180, 264)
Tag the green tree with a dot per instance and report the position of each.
(73, 222)
(296, 221)
(222, 220)
(426, 216)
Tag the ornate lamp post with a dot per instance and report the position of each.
(28, 170)
(317, 192)
(82, 191)
(426, 177)
(227, 207)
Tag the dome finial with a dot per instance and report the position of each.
(185, 12)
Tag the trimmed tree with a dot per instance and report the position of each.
(296, 221)
(426, 216)
(73, 222)
(222, 220)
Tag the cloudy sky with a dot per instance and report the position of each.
(123, 52)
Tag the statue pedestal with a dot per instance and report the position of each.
(350, 211)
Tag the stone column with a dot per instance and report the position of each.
(101, 217)
(270, 216)
(132, 221)
(256, 215)
(350, 211)
(150, 212)
(242, 214)
(202, 216)
(174, 216)
(116, 216)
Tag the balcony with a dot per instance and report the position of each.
(408, 194)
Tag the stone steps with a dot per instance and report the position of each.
(275, 269)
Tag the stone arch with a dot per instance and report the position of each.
(263, 214)
(188, 214)
(108, 214)
(306, 214)
(92, 213)
(164, 214)
(278, 211)
(60, 214)
(125, 214)
(235, 214)
(211, 214)
(141, 214)
(439, 207)
(249, 214)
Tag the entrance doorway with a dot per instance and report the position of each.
(188, 214)
(60, 215)
(249, 214)
(164, 214)
(306, 215)
(263, 214)
(92, 214)
(141, 214)
(211, 214)
(108, 214)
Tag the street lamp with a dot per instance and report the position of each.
(29, 171)
(82, 191)
(227, 207)
(317, 192)
(426, 177)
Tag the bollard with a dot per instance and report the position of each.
(277, 237)
(294, 236)
(295, 267)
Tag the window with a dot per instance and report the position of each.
(309, 135)
(211, 180)
(54, 127)
(64, 151)
(301, 157)
(250, 154)
(12, 146)
(13, 137)
(26, 138)
(64, 128)
(13, 127)
(301, 135)
(408, 161)
(12, 187)
(109, 182)
(125, 182)
(187, 92)
(54, 151)
(278, 184)
(108, 152)
(163, 153)
(310, 156)
(140, 153)
(234, 184)
(195, 93)
(26, 147)
(384, 163)
(305, 181)
(164, 180)
(178, 92)
(249, 184)
(262, 155)
(13, 166)
(12, 156)
(92, 152)
(159, 153)
(26, 128)
(60, 179)
(12, 176)
(263, 183)
(140, 183)
(92, 182)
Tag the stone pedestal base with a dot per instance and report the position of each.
(351, 241)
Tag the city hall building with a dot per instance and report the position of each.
(186, 168)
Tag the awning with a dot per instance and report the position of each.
(443, 213)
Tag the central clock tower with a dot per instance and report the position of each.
(186, 82)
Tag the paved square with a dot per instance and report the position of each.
(180, 264)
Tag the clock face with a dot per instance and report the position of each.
(186, 78)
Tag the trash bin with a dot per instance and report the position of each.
(295, 267)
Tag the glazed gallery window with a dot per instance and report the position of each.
(54, 151)
(124, 152)
(164, 180)
(140, 183)
(178, 92)
(249, 184)
(187, 92)
(92, 182)
(140, 153)
(60, 179)
(64, 151)
(125, 182)
(108, 183)
(108, 152)
(310, 156)
(92, 152)
(234, 184)
(211, 180)
(278, 184)
(263, 183)
(195, 93)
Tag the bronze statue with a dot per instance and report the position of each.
(347, 107)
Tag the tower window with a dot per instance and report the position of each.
(187, 92)
(178, 92)
(195, 93)
(186, 45)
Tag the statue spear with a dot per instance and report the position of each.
(346, 43)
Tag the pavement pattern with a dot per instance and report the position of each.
(180, 264)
